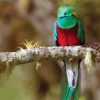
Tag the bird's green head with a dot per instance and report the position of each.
(66, 10)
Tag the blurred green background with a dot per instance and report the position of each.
(33, 20)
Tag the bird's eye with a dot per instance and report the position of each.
(64, 13)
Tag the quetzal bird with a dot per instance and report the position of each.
(69, 31)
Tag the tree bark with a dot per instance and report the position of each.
(45, 53)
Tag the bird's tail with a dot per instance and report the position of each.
(70, 92)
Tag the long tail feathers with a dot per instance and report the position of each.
(67, 92)
(71, 92)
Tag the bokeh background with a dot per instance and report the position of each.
(33, 20)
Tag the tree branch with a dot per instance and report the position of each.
(45, 53)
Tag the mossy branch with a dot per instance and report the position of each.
(45, 53)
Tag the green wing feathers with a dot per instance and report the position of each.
(81, 32)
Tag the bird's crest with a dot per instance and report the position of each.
(65, 10)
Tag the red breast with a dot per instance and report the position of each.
(68, 37)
